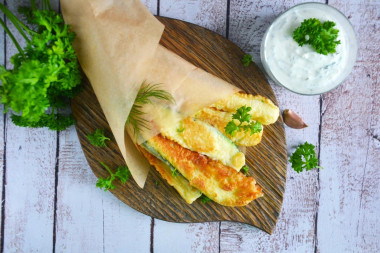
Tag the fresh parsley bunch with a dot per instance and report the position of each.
(242, 115)
(321, 36)
(304, 158)
(45, 72)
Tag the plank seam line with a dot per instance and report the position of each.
(104, 245)
(2, 235)
(220, 230)
(56, 172)
(318, 182)
(152, 235)
(366, 161)
(228, 19)
(158, 7)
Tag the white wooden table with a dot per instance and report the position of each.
(50, 202)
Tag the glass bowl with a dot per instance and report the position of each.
(301, 69)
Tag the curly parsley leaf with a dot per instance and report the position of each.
(45, 72)
(55, 121)
(247, 59)
(122, 173)
(321, 36)
(245, 169)
(304, 158)
(245, 123)
(204, 199)
(98, 138)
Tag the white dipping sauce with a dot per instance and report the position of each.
(301, 69)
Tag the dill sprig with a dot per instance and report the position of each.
(145, 96)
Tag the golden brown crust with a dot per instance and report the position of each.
(188, 193)
(220, 183)
(220, 119)
(263, 109)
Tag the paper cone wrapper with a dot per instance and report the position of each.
(118, 48)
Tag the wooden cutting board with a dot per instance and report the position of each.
(267, 161)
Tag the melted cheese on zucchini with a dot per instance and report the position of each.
(205, 139)
(181, 184)
(219, 182)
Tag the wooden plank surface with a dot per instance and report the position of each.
(249, 21)
(29, 190)
(348, 214)
(216, 55)
(198, 237)
(343, 199)
(2, 140)
(113, 225)
(209, 14)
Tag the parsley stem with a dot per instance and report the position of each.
(107, 168)
(6, 29)
(17, 23)
(33, 4)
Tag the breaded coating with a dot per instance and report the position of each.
(203, 138)
(220, 183)
(263, 109)
(220, 119)
(183, 187)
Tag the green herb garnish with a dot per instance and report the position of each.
(45, 72)
(98, 138)
(245, 169)
(244, 118)
(321, 36)
(174, 172)
(304, 158)
(204, 199)
(247, 59)
(180, 130)
(122, 174)
(145, 95)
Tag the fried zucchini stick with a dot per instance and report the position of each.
(220, 119)
(183, 187)
(220, 183)
(263, 110)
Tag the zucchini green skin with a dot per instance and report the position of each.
(154, 152)
(215, 144)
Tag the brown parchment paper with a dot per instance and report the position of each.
(117, 47)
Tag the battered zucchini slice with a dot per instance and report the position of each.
(181, 184)
(203, 138)
(220, 119)
(219, 182)
(263, 109)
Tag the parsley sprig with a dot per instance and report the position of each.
(247, 59)
(245, 170)
(204, 199)
(45, 72)
(321, 36)
(304, 158)
(122, 174)
(244, 122)
(98, 138)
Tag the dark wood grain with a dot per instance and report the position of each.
(222, 58)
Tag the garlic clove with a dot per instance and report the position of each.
(292, 120)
